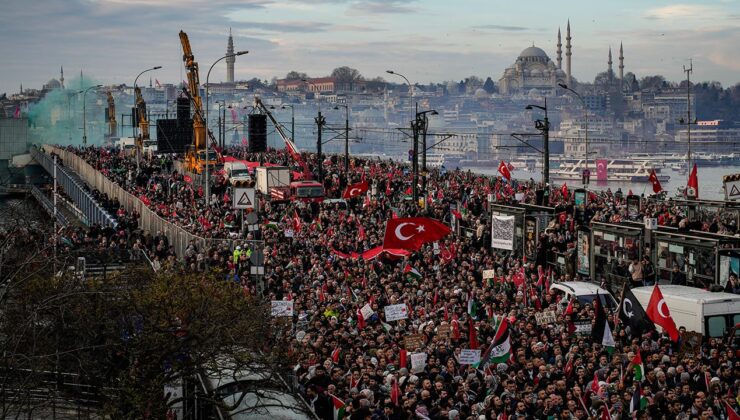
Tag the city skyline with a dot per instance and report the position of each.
(432, 41)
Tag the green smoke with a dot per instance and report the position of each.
(58, 117)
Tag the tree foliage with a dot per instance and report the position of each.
(294, 75)
(128, 337)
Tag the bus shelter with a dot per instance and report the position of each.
(614, 247)
(726, 213)
(692, 257)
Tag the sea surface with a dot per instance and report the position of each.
(710, 181)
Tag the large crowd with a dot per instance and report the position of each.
(363, 361)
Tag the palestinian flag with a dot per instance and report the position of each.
(386, 327)
(638, 402)
(500, 348)
(602, 333)
(638, 366)
(338, 406)
(411, 272)
(472, 307)
(271, 225)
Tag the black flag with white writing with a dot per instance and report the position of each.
(632, 315)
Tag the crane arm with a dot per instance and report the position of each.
(111, 115)
(292, 148)
(199, 127)
(141, 110)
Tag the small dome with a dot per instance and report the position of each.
(533, 52)
(53, 84)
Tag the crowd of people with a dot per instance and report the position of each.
(352, 360)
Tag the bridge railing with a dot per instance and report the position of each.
(48, 205)
(91, 209)
(149, 221)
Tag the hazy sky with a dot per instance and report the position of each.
(429, 40)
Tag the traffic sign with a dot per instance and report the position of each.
(244, 198)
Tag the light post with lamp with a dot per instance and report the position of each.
(134, 125)
(544, 127)
(586, 172)
(208, 85)
(84, 113)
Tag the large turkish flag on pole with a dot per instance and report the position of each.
(503, 169)
(413, 232)
(658, 312)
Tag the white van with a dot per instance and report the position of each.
(710, 313)
(236, 171)
(584, 291)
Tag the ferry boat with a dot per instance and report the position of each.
(622, 170)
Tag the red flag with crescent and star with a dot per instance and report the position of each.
(413, 232)
(355, 190)
(655, 181)
(658, 312)
(693, 183)
(601, 169)
(503, 169)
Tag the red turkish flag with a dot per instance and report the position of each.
(655, 181)
(188, 179)
(658, 312)
(355, 190)
(693, 182)
(413, 232)
(503, 169)
(564, 190)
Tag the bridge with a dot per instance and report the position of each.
(78, 178)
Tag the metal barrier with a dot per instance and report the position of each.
(73, 188)
(47, 205)
(149, 221)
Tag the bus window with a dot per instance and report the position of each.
(309, 192)
(716, 326)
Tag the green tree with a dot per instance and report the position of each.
(346, 77)
(294, 75)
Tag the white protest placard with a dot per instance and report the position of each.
(489, 274)
(418, 362)
(289, 233)
(469, 356)
(282, 308)
(396, 312)
(367, 311)
(502, 232)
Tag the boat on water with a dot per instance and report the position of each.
(618, 170)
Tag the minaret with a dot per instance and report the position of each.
(610, 71)
(230, 60)
(567, 53)
(560, 51)
(61, 78)
(621, 64)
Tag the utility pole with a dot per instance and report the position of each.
(415, 125)
(320, 122)
(688, 109)
(346, 143)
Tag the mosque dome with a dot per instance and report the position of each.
(53, 84)
(533, 52)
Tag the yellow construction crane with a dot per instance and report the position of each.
(143, 121)
(196, 156)
(112, 125)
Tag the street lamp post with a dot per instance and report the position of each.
(84, 113)
(346, 138)
(134, 125)
(544, 127)
(221, 121)
(424, 127)
(585, 110)
(411, 89)
(208, 85)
